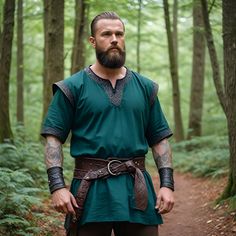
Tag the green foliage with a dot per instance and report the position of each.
(17, 196)
(202, 156)
(232, 203)
(23, 186)
(27, 156)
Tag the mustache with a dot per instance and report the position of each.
(115, 47)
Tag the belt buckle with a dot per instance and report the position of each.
(109, 167)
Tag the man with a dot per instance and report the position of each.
(113, 115)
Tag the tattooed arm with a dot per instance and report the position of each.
(62, 199)
(162, 154)
(163, 158)
(53, 152)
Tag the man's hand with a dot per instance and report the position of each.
(165, 200)
(64, 201)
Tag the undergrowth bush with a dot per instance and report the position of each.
(23, 188)
(24, 155)
(202, 156)
(17, 196)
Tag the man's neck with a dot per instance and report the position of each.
(108, 73)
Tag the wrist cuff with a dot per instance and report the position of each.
(166, 177)
(55, 178)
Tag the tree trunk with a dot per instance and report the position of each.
(1, 10)
(78, 50)
(45, 50)
(54, 49)
(0, 40)
(179, 132)
(5, 66)
(213, 55)
(175, 31)
(229, 42)
(198, 69)
(139, 35)
(226, 95)
(20, 65)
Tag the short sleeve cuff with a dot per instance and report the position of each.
(54, 132)
(159, 136)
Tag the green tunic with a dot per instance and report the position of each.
(119, 122)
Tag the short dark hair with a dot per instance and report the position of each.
(104, 15)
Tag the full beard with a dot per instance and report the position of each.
(109, 59)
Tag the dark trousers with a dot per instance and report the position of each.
(119, 229)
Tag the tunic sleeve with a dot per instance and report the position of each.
(158, 127)
(59, 118)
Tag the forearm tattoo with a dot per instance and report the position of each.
(53, 153)
(162, 154)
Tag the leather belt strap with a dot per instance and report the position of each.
(89, 169)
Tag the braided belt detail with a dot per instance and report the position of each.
(89, 169)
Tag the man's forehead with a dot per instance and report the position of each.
(109, 24)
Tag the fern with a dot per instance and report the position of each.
(18, 195)
(23, 187)
(11, 220)
(202, 156)
(27, 156)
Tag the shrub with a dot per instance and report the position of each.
(202, 156)
(18, 195)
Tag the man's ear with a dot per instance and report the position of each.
(92, 41)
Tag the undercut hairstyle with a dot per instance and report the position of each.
(104, 15)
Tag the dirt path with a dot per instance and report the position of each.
(185, 218)
(194, 213)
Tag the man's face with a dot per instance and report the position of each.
(109, 43)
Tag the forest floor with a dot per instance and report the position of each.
(194, 213)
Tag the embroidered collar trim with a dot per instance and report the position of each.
(114, 94)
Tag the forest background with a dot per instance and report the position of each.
(164, 41)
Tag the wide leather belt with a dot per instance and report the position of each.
(89, 169)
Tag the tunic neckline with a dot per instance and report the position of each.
(114, 94)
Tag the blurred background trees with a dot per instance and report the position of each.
(42, 42)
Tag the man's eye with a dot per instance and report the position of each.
(120, 34)
(106, 34)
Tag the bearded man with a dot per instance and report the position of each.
(114, 116)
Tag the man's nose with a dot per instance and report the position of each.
(114, 39)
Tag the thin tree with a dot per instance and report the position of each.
(139, 35)
(226, 94)
(175, 31)
(54, 47)
(0, 29)
(45, 50)
(78, 49)
(198, 69)
(20, 64)
(0, 39)
(5, 66)
(179, 131)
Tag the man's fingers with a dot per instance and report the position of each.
(61, 208)
(158, 203)
(163, 207)
(170, 206)
(65, 207)
(166, 207)
(165, 201)
(64, 201)
(70, 208)
(74, 203)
